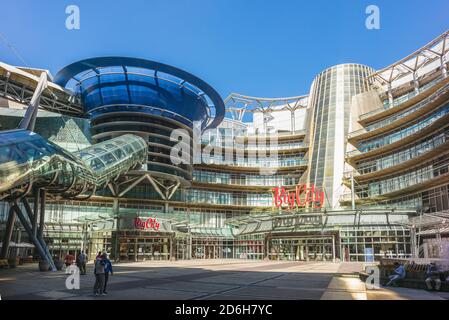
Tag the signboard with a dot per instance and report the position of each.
(147, 224)
(302, 197)
(142, 223)
(297, 220)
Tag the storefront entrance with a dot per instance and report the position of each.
(210, 248)
(143, 246)
(302, 248)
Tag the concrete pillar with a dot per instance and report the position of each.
(415, 82)
(390, 95)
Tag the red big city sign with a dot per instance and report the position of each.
(302, 197)
(150, 223)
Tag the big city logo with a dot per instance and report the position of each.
(149, 224)
(302, 197)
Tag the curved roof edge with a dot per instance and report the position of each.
(67, 73)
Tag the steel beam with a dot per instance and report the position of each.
(40, 232)
(8, 232)
(41, 249)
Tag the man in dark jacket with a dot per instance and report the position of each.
(433, 276)
(99, 276)
(107, 270)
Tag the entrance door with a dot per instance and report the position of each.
(303, 249)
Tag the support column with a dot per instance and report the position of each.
(415, 82)
(43, 251)
(135, 250)
(352, 191)
(171, 258)
(333, 248)
(40, 232)
(8, 232)
(116, 213)
(390, 95)
(36, 211)
(443, 66)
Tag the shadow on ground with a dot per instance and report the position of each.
(183, 280)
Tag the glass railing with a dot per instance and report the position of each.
(288, 146)
(399, 100)
(244, 180)
(401, 134)
(227, 198)
(394, 118)
(404, 181)
(403, 156)
(259, 163)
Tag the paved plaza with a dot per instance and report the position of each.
(207, 280)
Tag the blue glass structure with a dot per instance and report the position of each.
(128, 95)
(109, 84)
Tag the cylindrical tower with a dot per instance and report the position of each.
(331, 96)
(128, 95)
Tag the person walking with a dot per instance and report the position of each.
(82, 260)
(99, 276)
(107, 270)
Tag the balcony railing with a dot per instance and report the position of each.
(409, 111)
(401, 134)
(403, 156)
(289, 146)
(246, 180)
(398, 101)
(260, 164)
(404, 181)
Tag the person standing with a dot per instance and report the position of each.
(68, 260)
(99, 277)
(107, 270)
(82, 260)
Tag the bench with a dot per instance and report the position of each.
(4, 263)
(414, 279)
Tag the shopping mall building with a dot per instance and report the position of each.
(355, 170)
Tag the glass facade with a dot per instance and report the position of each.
(402, 133)
(331, 96)
(219, 208)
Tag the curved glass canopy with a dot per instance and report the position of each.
(28, 160)
(117, 84)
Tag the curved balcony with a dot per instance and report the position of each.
(242, 199)
(243, 181)
(402, 137)
(431, 175)
(404, 101)
(288, 147)
(255, 165)
(399, 119)
(402, 160)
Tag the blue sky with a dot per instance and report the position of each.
(254, 47)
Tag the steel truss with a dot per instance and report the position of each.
(434, 52)
(237, 105)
